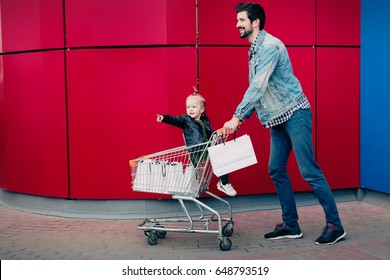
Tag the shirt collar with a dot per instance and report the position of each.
(258, 40)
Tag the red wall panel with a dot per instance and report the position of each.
(114, 96)
(338, 115)
(32, 24)
(2, 127)
(223, 83)
(123, 22)
(291, 21)
(114, 93)
(338, 22)
(34, 122)
(181, 22)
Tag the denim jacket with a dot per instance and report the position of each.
(273, 88)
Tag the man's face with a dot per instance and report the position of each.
(244, 25)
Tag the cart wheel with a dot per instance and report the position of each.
(225, 244)
(152, 238)
(227, 230)
(161, 233)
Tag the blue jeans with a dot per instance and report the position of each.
(296, 134)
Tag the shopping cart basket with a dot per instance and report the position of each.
(185, 173)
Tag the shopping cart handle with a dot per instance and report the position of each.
(134, 162)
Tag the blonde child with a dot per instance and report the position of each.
(196, 129)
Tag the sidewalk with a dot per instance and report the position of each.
(31, 236)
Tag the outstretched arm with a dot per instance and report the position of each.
(178, 121)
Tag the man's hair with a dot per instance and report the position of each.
(254, 11)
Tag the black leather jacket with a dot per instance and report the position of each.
(193, 131)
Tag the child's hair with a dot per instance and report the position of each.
(201, 99)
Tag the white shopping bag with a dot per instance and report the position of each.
(144, 175)
(158, 176)
(232, 155)
(172, 174)
(190, 180)
(150, 176)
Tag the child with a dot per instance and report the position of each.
(196, 128)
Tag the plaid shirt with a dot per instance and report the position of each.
(253, 47)
(286, 116)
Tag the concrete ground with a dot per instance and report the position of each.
(27, 236)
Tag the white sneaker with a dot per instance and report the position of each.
(228, 188)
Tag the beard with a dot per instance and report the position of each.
(246, 33)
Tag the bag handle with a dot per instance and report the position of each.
(234, 137)
(163, 168)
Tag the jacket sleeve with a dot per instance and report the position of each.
(269, 56)
(178, 121)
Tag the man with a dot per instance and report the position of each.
(280, 104)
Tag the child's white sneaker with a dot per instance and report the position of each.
(228, 188)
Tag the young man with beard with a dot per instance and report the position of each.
(280, 104)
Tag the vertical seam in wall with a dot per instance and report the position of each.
(316, 77)
(197, 43)
(66, 99)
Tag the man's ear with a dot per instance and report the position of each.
(256, 23)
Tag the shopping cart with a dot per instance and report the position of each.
(185, 173)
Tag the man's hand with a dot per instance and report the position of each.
(231, 126)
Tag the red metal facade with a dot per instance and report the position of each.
(34, 145)
(82, 80)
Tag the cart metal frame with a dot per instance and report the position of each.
(185, 173)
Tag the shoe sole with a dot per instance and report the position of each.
(222, 190)
(295, 236)
(331, 243)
